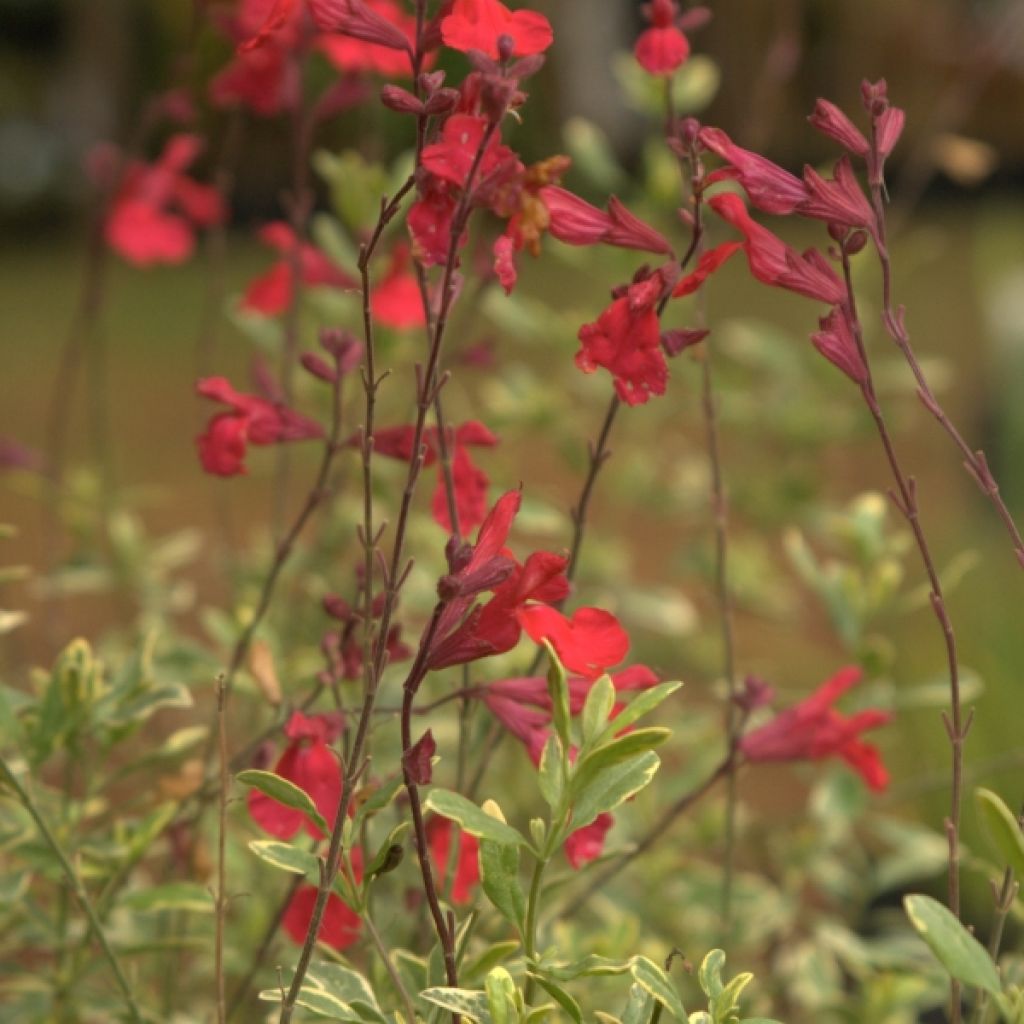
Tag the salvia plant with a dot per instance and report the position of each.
(406, 773)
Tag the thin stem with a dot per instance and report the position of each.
(445, 933)
(893, 318)
(905, 499)
(239, 995)
(530, 928)
(389, 966)
(76, 887)
(221, 903)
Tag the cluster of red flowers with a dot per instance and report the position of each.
(309, 762)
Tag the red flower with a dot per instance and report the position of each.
(769, 187)
(588, 644)
(430, 222)
(586, 844)
(708, 263)
(663, 47)
(839, 201)
(154, 216)
(813, 730)
(574, 221)
(340, 925)
(494, 628)
(252, 419)
(271, 292)
(836, 342)
(265, 81)
(626, 341)
(470, 483)
(395, 300)
(467, 865)
(376, 35)
(452, 158)
(831, 121)
(308, 762)
(477, 25)
(773, 262)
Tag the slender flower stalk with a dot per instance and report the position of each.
(221, 899)
(956, 724)
(893, 318)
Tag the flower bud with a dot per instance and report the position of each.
(506, 47)
(856, 242)
(430, 81)
(441, 102)
(318, 367)
(831, 121)
(400, 100)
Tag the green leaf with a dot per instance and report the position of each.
(598, 706)
(638, 1006)
(499, 876)
(614, 785)
(471, 818)
(349, 986)
(709, 976)
(175, 896)
(319, 1001)
(592, 765)
(560, 996)
(284, 792)
(460, 1000)
(649, 976)
(558, 690)
(1003, 829)
(551, 771)
(501, 996)
(955, 948)
(641, 705)
(492, 956)
(286, 857)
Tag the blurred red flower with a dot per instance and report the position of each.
(309, 763)
(467, 865)
(271, 292)
(478, 24)
(154, 215)
(251, 420)
(813, 730)
(663, 47)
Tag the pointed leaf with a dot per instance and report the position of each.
(471, 818)
(643, 704)
(499, 876)
(653, 979)
(551, 772)
(286, 857)
(1003, 829)
(614, 785)
(598, 706)
(284, 792)
(956, 949)
(472, 1005)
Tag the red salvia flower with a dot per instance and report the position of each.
(587, 843)
(451, 158)
(469, 482)
(478, 24)
(708, 263)
(271, 293)
(663, 47)
(588, 644)
(339, 928)
(626, 341)
(836, 342)
(576, 222)
(838, 201)
(395, 300)
(770, 188)
(264, 81)
(376, 35)
(308, 762)
(467, 864)
(831, 121)
(813, 730)
(774, 263)
(157, 209)
(251, 420)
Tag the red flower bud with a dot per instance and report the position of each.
(400, 100)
